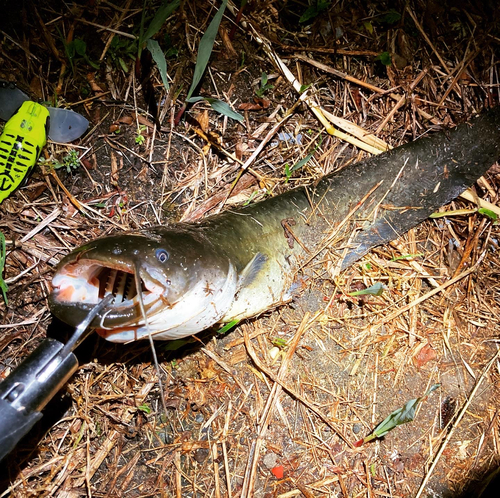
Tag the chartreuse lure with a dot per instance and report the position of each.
(25, 134)
(21, 142)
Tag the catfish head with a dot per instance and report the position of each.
(187, 284)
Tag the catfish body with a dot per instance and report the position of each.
(244, 261)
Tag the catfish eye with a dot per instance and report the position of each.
(161, 255)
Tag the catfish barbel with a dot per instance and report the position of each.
(242, 262)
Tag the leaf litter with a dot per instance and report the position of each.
(347, 363)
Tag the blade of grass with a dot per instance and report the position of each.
(205, 48)
(159, 58)
(219, 106)
(162, 14)
(306, 159)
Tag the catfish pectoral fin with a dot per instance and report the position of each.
(251, 270)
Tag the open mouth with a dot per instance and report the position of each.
(91, 281)
(119, 283)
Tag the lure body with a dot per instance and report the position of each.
(244, 261)
(25, 134)
(21, 142)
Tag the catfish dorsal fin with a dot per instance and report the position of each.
(251, 270)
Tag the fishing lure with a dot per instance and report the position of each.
(21, 142)
(25, 134)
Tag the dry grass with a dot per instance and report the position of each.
(236, 412)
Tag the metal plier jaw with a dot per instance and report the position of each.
(37, 379)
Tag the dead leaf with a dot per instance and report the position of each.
(258, 105)
(95, 87)
(128, 120)
(278, 471)
(203, 120)
(425, 355)
(226, 41)
(210, 371)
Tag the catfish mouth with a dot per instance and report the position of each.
(84, 283)
(121, 284)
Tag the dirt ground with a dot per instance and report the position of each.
(274, 407)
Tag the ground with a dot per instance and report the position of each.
(275, 406)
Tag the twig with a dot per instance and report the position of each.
(339, 74)
(46, 221)
(224, 449)
(265, 418)
(292, 391)
(427, 39)
(305, 97)
(224, 366)
(401, 101)
(431, 293)
(79, 205)
(111, 440)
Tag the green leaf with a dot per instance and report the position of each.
(228, 326)
(288, 173)
(301, 163)
(368, 26)
(225, 109)
(160, 17)
(95, 65)
(306, 159)
(303, 88)
(176, 344)
(3, 285)
(219, 106)
(159, 58)
(399, 417)
(376, 289)
(384, 58)
(205, 48)
(264, 86)
(489, 213)
(392, 17)
(314, 10)
(123, 65)
(279, 342)
(144, 408)
(80, 46)
(193, 100)
(456, 212)
(407, 256)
